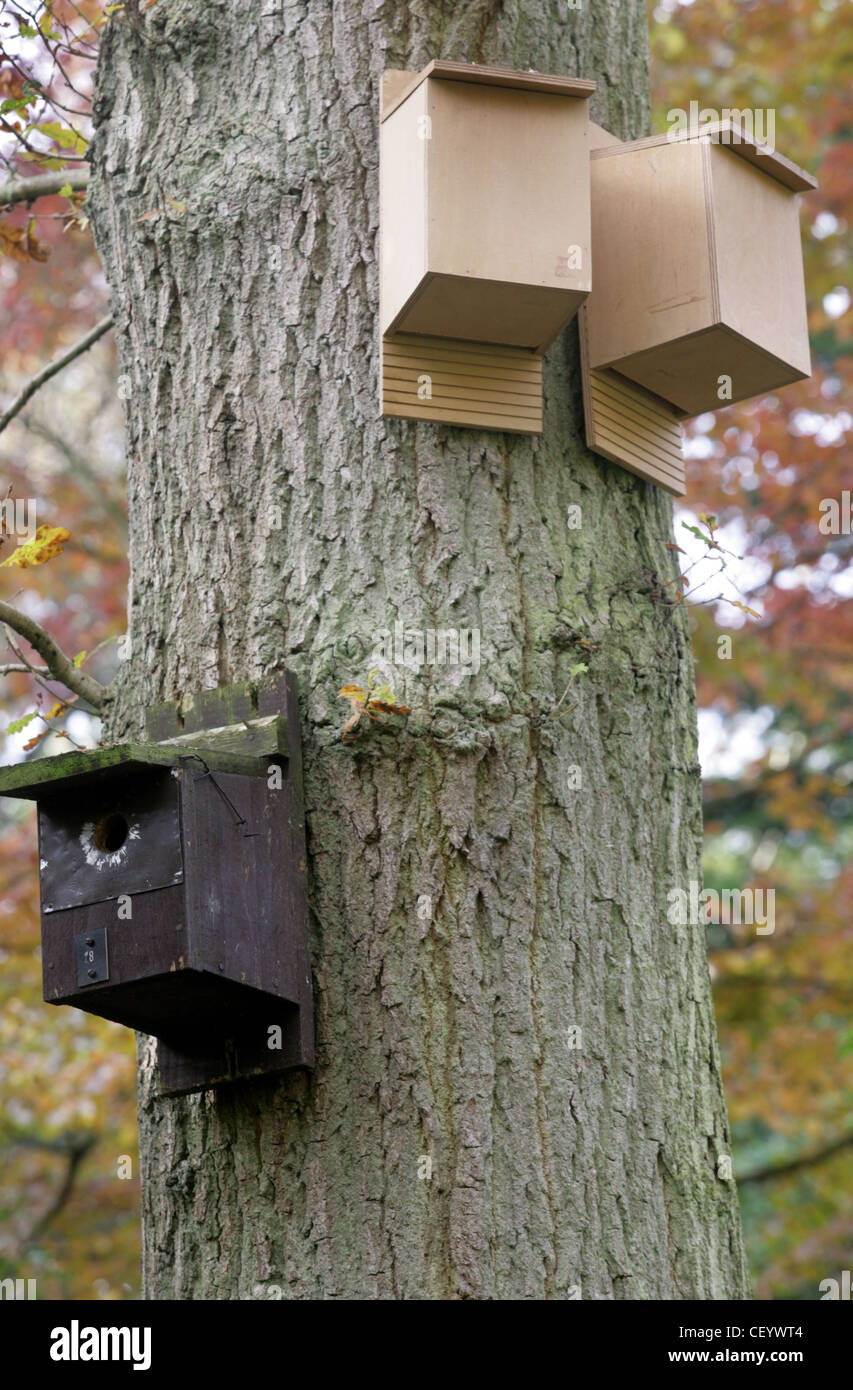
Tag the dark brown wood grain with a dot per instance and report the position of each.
(213, 958)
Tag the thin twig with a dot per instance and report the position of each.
(52, 368)
(93, 482)
(32, 669)
(14, 669)
(58, 664)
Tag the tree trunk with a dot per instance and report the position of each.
(471, 903)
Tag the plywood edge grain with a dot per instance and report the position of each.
(729, 136)
(398, 90)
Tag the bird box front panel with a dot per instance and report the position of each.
(119, 835)
(127, 967)
(484, 205)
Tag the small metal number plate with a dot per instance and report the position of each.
(90, 950)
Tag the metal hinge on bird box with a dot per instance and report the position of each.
(173, 885)
(484, 238)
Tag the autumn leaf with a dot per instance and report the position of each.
(36, 740)
(371, 702)
(743, 607)
(13, 242)
(21, 243)
(387, 708)
(48, 541)
(37, 250)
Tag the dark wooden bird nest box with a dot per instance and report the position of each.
(173, 885)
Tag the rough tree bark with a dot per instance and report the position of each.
(246, 318)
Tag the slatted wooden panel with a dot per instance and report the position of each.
(474, 384)
(630, 426)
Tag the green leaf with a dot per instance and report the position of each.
(65, 138)
(66, 190)
(18, 724)
(79, 659)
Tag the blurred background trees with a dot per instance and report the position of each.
(776, 715)
(776, 718)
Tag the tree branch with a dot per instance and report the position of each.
(40, 680)
(73, 1147)
(775, 1170)
(58, 664)
(52, 368)
(26, 190)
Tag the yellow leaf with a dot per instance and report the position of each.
(733, 601)
(48, 541)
